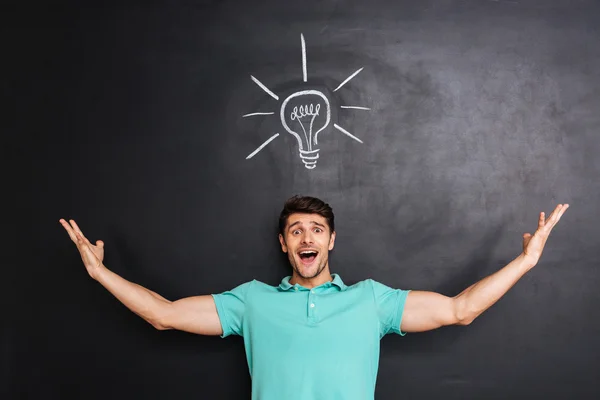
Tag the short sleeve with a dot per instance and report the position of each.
(231, 307)
(390, 307)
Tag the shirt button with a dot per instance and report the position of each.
(296, 289)
(312, 305)
(312, 291)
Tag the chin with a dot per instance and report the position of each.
(310, 272)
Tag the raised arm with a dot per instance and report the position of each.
(425, 311)
(193, 314)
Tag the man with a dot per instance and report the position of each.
(313, 337)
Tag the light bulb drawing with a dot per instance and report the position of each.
(299, 121)
(304, 114)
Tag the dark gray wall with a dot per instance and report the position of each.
(129, 120)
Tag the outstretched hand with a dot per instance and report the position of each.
(92, 255)
(533, 245)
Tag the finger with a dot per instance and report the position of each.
(542, 220)
(86, 241)
(553, 214)
(76, 227)
(80, 238)
(561, 211)
(69, 230)
(557, 213)
(100, 243)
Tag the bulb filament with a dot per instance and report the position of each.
(304, 111)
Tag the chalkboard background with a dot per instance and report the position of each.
(129, 119)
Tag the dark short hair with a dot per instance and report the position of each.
(306, 205)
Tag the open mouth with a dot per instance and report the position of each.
(308, 256)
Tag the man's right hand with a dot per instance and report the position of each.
(197, 314)
(92, 255)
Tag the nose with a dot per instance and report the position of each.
(307, 238)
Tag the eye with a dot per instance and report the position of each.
(296, 232)
(318, 230)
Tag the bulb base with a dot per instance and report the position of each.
(309, 158)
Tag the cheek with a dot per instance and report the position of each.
(291, 245)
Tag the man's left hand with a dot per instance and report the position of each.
(533, 245)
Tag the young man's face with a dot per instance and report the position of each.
(307, 240)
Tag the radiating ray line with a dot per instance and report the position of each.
(345, 132)
(303, 57)
(356, 107)
(257, 113)
(263, 87)
(347, 79)
(261, 146)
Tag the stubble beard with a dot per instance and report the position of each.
(320, 268)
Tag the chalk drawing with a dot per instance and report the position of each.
(304, 114)
(356, 107)
(345, 132)
(261, 146)
(263, 87)
(257, 113)
(348, 79)
(303, 57)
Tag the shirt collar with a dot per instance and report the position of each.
(337, 281)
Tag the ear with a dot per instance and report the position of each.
(331, 240)
(282, 242)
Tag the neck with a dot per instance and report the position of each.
(324, 276)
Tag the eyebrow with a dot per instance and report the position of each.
(312, 222)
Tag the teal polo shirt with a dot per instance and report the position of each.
(312, 344)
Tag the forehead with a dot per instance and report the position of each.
(306, 219)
